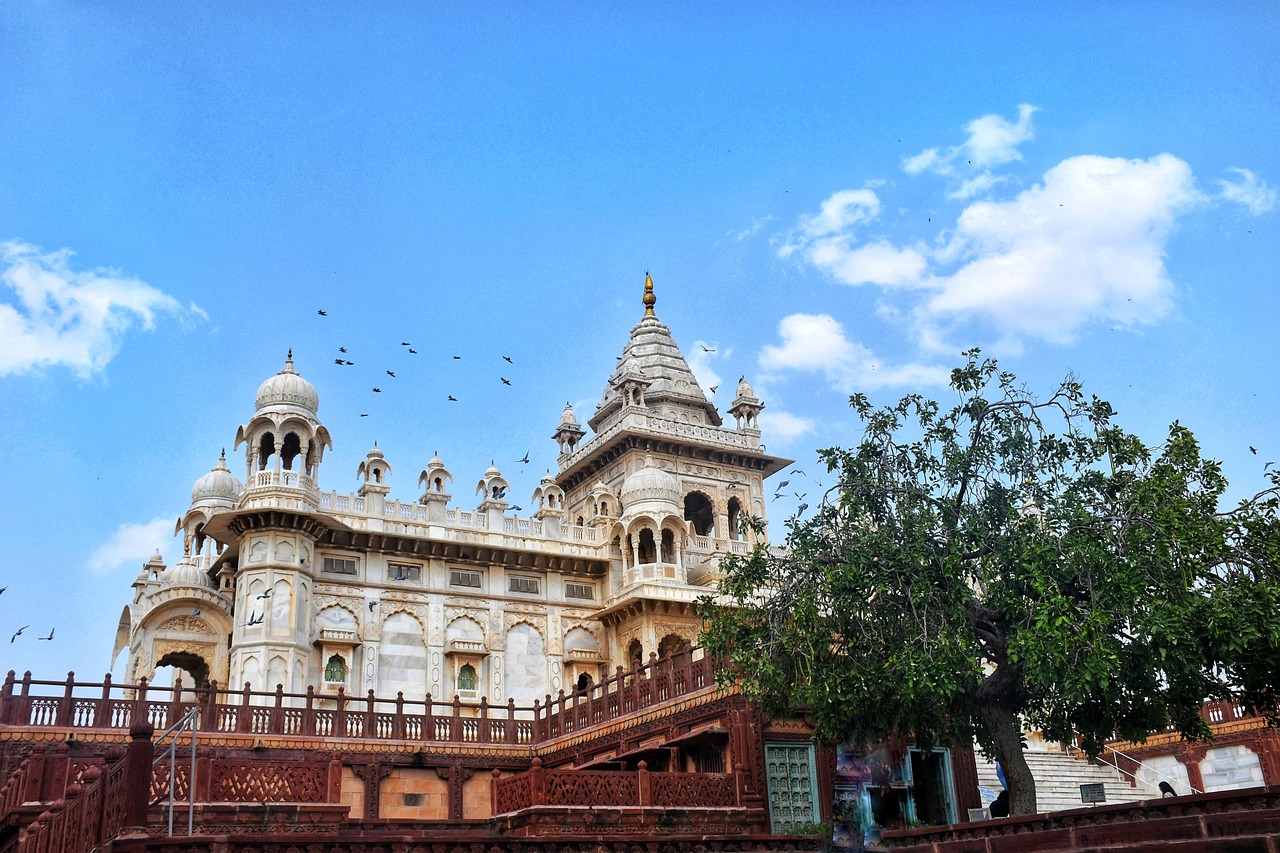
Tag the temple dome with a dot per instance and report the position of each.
(218, 484)
(649, 485)
(185, 573)
(289, 389)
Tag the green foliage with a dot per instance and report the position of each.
(1009, 557)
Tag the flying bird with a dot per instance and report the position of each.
(525, 459)
(516, 508)
(3, 588)
(337, 361)
(196, 612)
(412, 351)
(364, 414)
(1253, 450)
(342, 349)
(17, 632)
(505, 380)
(372, 604)
(452, 399)
(405, 344)
(377, 390)
(784, 484)
(50, 637)
(322, 313)
(392, 375)
(800, 509)
(500, 492)
(714, 388)
(507, 359)
(706, 348)
(457, 358)
(266, 594)
(799, 496)
(257, 620)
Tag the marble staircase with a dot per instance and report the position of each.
(1059, 776)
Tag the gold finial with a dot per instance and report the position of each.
(649, 299)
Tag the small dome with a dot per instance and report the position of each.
(289, 389)
(567, 417)
(436, 461)
(649, 484)
(185, 573)
(492, 471)
(218, 484)
(744, 388)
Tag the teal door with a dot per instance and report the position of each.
(793, 787)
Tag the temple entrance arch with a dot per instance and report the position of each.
(193, 668)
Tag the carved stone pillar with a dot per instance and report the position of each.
(456, 775)
(372, 774)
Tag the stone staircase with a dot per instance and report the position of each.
(1059, 776)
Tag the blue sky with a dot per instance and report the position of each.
(833, 197)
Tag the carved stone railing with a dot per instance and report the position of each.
(34, 704)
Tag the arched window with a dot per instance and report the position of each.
(266, 449)
(698, 509)
(648, 550)
(467, 677)
(735, 519)
(635, 653)
(668, 547)
(291, 450)
(336, 669)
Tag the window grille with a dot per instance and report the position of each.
(403, 572)
(338, 566)
(525, 585)
(469, 579)
(580, 590)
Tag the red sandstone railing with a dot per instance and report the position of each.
(604, 788)
(31, 703)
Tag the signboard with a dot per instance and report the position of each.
(1093, 793)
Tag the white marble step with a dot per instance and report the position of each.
(1059, 777)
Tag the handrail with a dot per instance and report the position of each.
(188, 722)
(1154, 770)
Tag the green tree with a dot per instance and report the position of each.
(1005, 561)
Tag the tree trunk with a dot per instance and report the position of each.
(1006, 731)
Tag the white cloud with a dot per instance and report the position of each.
(1085, 245)
(993, 141)
(754, 228)
(784, 427)
(67, 317)
(975, 186)
(816, 343)
(872, 263)
(132, 544)
(839, 213)
(1249, 191)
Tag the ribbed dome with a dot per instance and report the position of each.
(287, 388)
(649, 485)
(218, 484)
(568, 417)
(185, 573)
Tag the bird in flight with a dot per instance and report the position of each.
(3, 588)
(405, 344)
(800, 509)
(392, 375)
(266, 594)
(516, 508)
(372, 604)
(457, 358)
(50, 637)
(17, 632)
(706, 348)
(714, 388)
(196, 612)
(784, 484)
(452, 399)
(337, 361)
(364, 414)
(798, 471)
(1253, 450)
(377, 390)
(500, 492)
(507, 359)
(257, 620)
(349, 363)
(505, 380)
(412, 351)
(525, 460)
(342, 349)
(322, 313)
